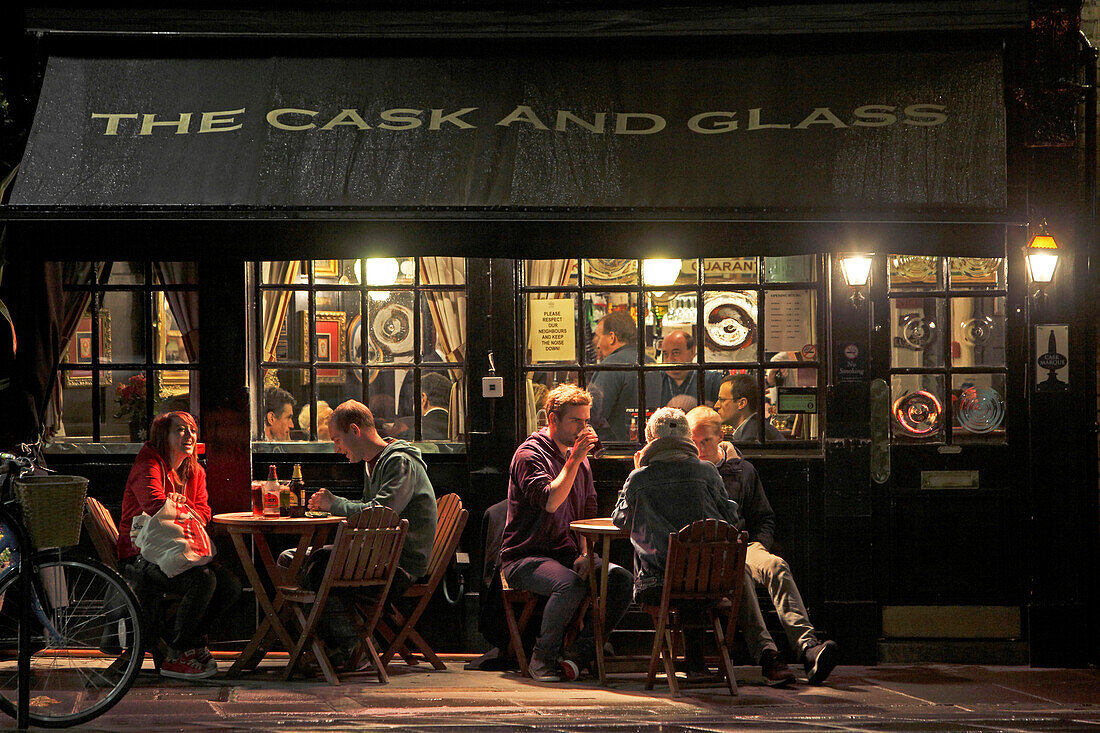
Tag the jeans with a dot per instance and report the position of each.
(772, 572)
(205, 592)
(565, 590)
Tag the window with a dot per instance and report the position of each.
(740, 334)
(390, 332)
(131, 351)
(947, 332)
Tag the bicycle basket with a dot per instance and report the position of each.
(53, 507)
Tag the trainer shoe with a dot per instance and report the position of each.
(544, 670)
(185, 666)
(570, 670)
(775, 670)
(819, 661)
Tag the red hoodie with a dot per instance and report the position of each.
(148, 487)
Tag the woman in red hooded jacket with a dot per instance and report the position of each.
(166, 468)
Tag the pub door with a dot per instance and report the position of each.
(947, 350)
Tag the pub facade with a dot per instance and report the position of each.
(433, 212)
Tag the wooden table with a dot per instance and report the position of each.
(602, 530)
(311, 532)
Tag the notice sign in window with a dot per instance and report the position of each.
(551, 334)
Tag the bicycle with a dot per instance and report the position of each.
(83, 643)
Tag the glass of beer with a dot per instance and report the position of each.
(257, 498)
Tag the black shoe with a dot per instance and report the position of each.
(819, 660)
(775, 670)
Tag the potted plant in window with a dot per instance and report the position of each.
(131, 405)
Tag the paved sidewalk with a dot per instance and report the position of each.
(925, 697)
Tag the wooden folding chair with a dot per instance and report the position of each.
(102, 531)
(398, 628)
(364, 555)
(706, 562)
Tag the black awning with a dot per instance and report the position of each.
(868, 131)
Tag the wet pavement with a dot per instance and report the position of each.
(920, 697)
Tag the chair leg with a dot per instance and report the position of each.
(516, 644)
(426, 651)
(670, 664)
(655, 653)
(723, 652)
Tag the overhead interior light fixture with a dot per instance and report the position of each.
(380, 272)
(660, 273)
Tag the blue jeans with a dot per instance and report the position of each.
(565, 591)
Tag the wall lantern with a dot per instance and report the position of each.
(857, 270)
(381, 272)
(1041, 255)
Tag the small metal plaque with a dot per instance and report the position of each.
(880, 431)
(949, 479)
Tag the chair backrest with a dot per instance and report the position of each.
(448, 530)
(366, 548)
(706, 559)
(103, 531)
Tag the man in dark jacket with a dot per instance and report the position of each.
(757, 518)
(549, 486)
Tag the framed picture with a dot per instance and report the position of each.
(170, 350)
(79, 350)
(326, 268)
(330, 344)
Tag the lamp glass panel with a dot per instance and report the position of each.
(856, 269)
(1040, 266)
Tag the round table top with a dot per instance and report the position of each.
(599, 525)
(247, 519)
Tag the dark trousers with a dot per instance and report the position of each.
(205, 592)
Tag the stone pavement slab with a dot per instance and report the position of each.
(922, 697)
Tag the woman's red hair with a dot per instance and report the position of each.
(158, 439)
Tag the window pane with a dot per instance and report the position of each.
(551, 328)
(125, 417)
(917, 406)
(599, 272)
(390, 333)
(615, 405)
(125, 273)
(612, 318)
(793, 400)
(790, 324)
(444, 330)
(916, 332)
(679, 388)
(126, 339)
(440, 398)
(977, 272)
(285, 390)
(327, 270)
(915, 272)
(76, 421)
(794, 269)
(442, 270)
(286, 272)
(729, 326)
(978, 402)
(978, 331)
(175, 273)
(171, 346)
(175, 391)
(392, 399)
(744, 420)
(537, 385)
(734, 270)
(281, 308)
(550, 273)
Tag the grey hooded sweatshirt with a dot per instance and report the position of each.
(400, 482)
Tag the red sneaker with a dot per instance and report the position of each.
(186, 666)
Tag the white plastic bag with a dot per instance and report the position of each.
(173, 539)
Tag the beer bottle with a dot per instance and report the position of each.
(271, 493)
(297, 487)
(284, 500)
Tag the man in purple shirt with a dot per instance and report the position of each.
(549, 486)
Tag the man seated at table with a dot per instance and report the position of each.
(395, 477)
(743, 485)
(549, 486)
(669, 489)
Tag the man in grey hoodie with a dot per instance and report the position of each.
(395, 477)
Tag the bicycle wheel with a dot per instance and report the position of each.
(86, 639)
